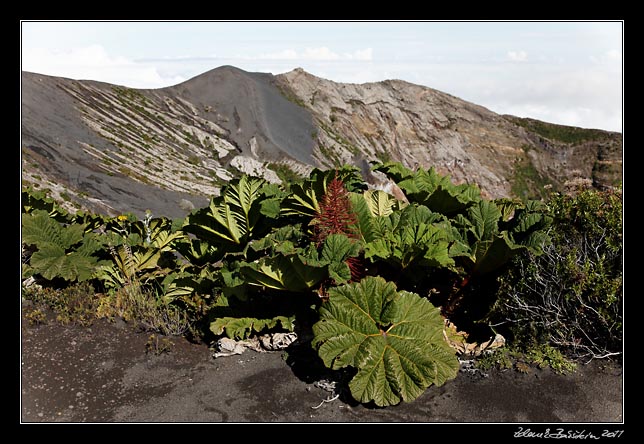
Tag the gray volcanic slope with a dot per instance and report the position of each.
(258, 109)
(52, 130)
(117, 149)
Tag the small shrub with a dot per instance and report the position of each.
(34, 316)
(73, 304)
(541, 355)
(546, 356)
(499, 358)
(133, 303)
(157, 346)
(570, 297)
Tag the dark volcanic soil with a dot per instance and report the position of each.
(102, 373)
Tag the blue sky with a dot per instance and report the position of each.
(562, 72)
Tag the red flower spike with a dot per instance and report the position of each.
(336, 213)
(336, 216)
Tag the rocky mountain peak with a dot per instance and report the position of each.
(114, 149)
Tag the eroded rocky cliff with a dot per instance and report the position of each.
(114, 149)
(416, 125)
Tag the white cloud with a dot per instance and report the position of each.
(517, 56)
(572, 115)
(94, 63)
(287, 54)
(321, 53)
(582, 97)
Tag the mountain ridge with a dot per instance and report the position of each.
(114, 149)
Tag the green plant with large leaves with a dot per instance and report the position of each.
(235, 322)
(483, 240)
(33, 200)
(244, 211)
(287, 279)
(409, 237)
(381, 204)
(188, 281)
(290, 272)
(394, 339)
(296, 269)
(435, 191)
(62, 251)
(304, 198)
(262, 258)
(486, 238)
(369, 206)
(137, 249)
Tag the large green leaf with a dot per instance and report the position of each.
(303, 201)
(488, 235)
(242, 328)
(305, 197)
(198, 252)
(214, 224)
(63, 251)
(240, 322)
(337, 248)
(271, 207)
(494, 253)
(364, 217)
(485, 220)
(39, 229)
(51, 262)
(393, 339)
(295, 269)
(33, 200)
(282, 239)
(457, 237)
(450, 199)
(240, 197)
(507, 207)
(431, 189)
(286, 273)
(380, 203)
(189, 280)
(410, 236)
(233, 218)
(394, 170)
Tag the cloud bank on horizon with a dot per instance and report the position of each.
(567, 73)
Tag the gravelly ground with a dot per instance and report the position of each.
(102, 373)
